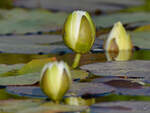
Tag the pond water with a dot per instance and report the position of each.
(112, 94)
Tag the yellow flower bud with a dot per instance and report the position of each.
(55, 80)
(118, 39)
(79, 32)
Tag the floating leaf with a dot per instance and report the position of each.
(122, 107)
(5, 95)
(108, 20)
(77, 89)
(145, 91)
(124, 84)
(96, 5)
(26, 79)
(35, 65)
(135, 68)
(36, 106)
(33, 44)
(141, 39)
(19, 21)
(79, 74)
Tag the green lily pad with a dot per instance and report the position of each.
(141, 39)
(122, 107)
(134, 68)
(35, 65)
(108, 20)
(33, 44)
(102, 5)
(36, 106)
(20, 74)
(26, 79)
(6, 68)
(79, 74)
(19, 21)
(76, 89)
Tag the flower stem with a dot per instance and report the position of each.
(76, 60)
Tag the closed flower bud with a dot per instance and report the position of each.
(79, 32)
(118, 39)
(55, 80)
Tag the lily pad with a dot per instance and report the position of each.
(77, 89)
(32, 44)
(36, 106)
(103, 5)
(30, 21)
(5, 68)
(145, 91)
(35, 65)
(108, 20)
(134, 68)
(26, 79)
(20, 74)
(141, 39)
(121, 107)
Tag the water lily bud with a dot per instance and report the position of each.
(118, 39)
(79, 31)
(55, 80)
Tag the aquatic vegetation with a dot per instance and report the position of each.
(79, 33)
(55, 80)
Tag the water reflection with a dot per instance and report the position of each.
(78, 101)
(98, 56)
(118, 56)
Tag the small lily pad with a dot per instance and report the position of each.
(141, 39)
(145, 91)
(108, 20)
(134, 68)
(124, 84)
(32, 44)
(79, 74)
(77, 89)
(35, 65)
(26, 79)
(30, 21)
(36, 106)
(121, 107)
(65, 5)
(90, 88)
